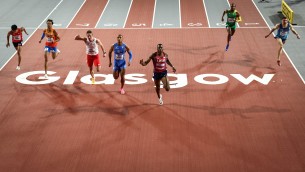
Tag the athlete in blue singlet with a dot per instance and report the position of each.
(119, 66)
(282, 35)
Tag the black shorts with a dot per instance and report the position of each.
(16, 44)
(159, 75)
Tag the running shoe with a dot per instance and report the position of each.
(46, 76)
(227, 47)
(122, 91)
(92, 80)
(160, 100)
(18, 68)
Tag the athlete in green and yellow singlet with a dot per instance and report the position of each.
(232, 17)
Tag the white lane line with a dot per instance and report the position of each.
(153, 20)
(283, 48)
(180, 14)
(127, 14)
(102, 14)
(43, 21)
(76, 13)
(206, 13)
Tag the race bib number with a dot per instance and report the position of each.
(283, 33)
(119, 56)
(17, 37)
(231, 20)
(49, 39)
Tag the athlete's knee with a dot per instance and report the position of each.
(167, 88)
(115, 76)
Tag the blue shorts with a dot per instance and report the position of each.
(50, 49)
(119, 65)
(159, 75)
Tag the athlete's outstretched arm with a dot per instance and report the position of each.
(170, 64)
(144, 63)
(273, 29)
(79, 38)
(8, 39)
(110, 55)
(102, 47)
(295, 32)
(23, 29)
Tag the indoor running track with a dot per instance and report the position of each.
(217, 119)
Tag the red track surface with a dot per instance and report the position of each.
(192, 12)
(249, 14)
(227, 127)
(89, 14)
(140, 14)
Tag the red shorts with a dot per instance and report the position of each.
(93, 59)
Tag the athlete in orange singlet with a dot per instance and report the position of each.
(51, 44)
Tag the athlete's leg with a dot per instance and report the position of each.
(122, 73)
(115, 74)
(18, 49)
(46, 61)
(229, 34)
(165, 83)
(98, 68)
(157, 84)
(232, 32)
(280, 42)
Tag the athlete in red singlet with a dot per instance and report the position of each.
(17, 40)
(160, 59)
(92, 52)
(51, 44)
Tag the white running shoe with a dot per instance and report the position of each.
(160, 100)
(18, 68)
(122, 91)
(46, 76)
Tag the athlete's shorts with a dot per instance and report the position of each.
(119, 65)
(232, 26)
(93, 59)
(279, 37)
(50, 49)
(16, 44)
(159, 75)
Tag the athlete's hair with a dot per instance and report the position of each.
(89, 31)
(284, 18)
(50, 20)
(120, 35)
(159, 45)
(233, 4)
(14, 27)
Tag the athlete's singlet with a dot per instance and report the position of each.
(231, 17)
(50, 35)
(91, 47)
(119, 56)
(17, 36)
(283, 32)
(160, 62)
